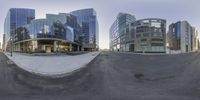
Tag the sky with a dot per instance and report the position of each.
(107, 10)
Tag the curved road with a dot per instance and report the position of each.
(110, 76)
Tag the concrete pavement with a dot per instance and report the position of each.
(52, 66)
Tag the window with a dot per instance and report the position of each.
(143, 39)
(138, 35)
(145, 35)
(156, 24)
(156, 39)
(156, 44)
(156, 34)
(173, 30)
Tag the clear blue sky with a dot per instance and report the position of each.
(107, 10)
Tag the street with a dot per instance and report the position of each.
(110, 76)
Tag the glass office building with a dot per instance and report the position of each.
(16, 17)
(57, 32)
(87, 19)
(174, 36)
(46, 35)
(119, 33)
(72, 22)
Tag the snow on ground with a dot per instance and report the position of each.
(52, 65)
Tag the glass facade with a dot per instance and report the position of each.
(174, 36)
(87, 19)
(17, 17)
(119, 32)
(70, 33)
(72, 22)
(42, 28)
(47, 35)
(57, 32)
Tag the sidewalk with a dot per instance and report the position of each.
(52, 65)
(142, 53)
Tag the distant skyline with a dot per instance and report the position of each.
(107, 11)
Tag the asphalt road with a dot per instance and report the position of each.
(110, 76)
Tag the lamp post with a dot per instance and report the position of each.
(11, 49)
(11, 42)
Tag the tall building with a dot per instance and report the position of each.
(174, 37)
(3, 45)
(195, 39)
(16, 17)
(50, 34)
(182, 37)
(56, 33)
(144, 35)
(87, 19)
(119, 39)
(72, 22)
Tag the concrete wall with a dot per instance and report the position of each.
(185, 37)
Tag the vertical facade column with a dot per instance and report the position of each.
(78, 48)
(82, 49)
(70, 47)
(55, 46)
(44, 48)
(24, 47)
(14, 47)
(19, 47)
(35, 45)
